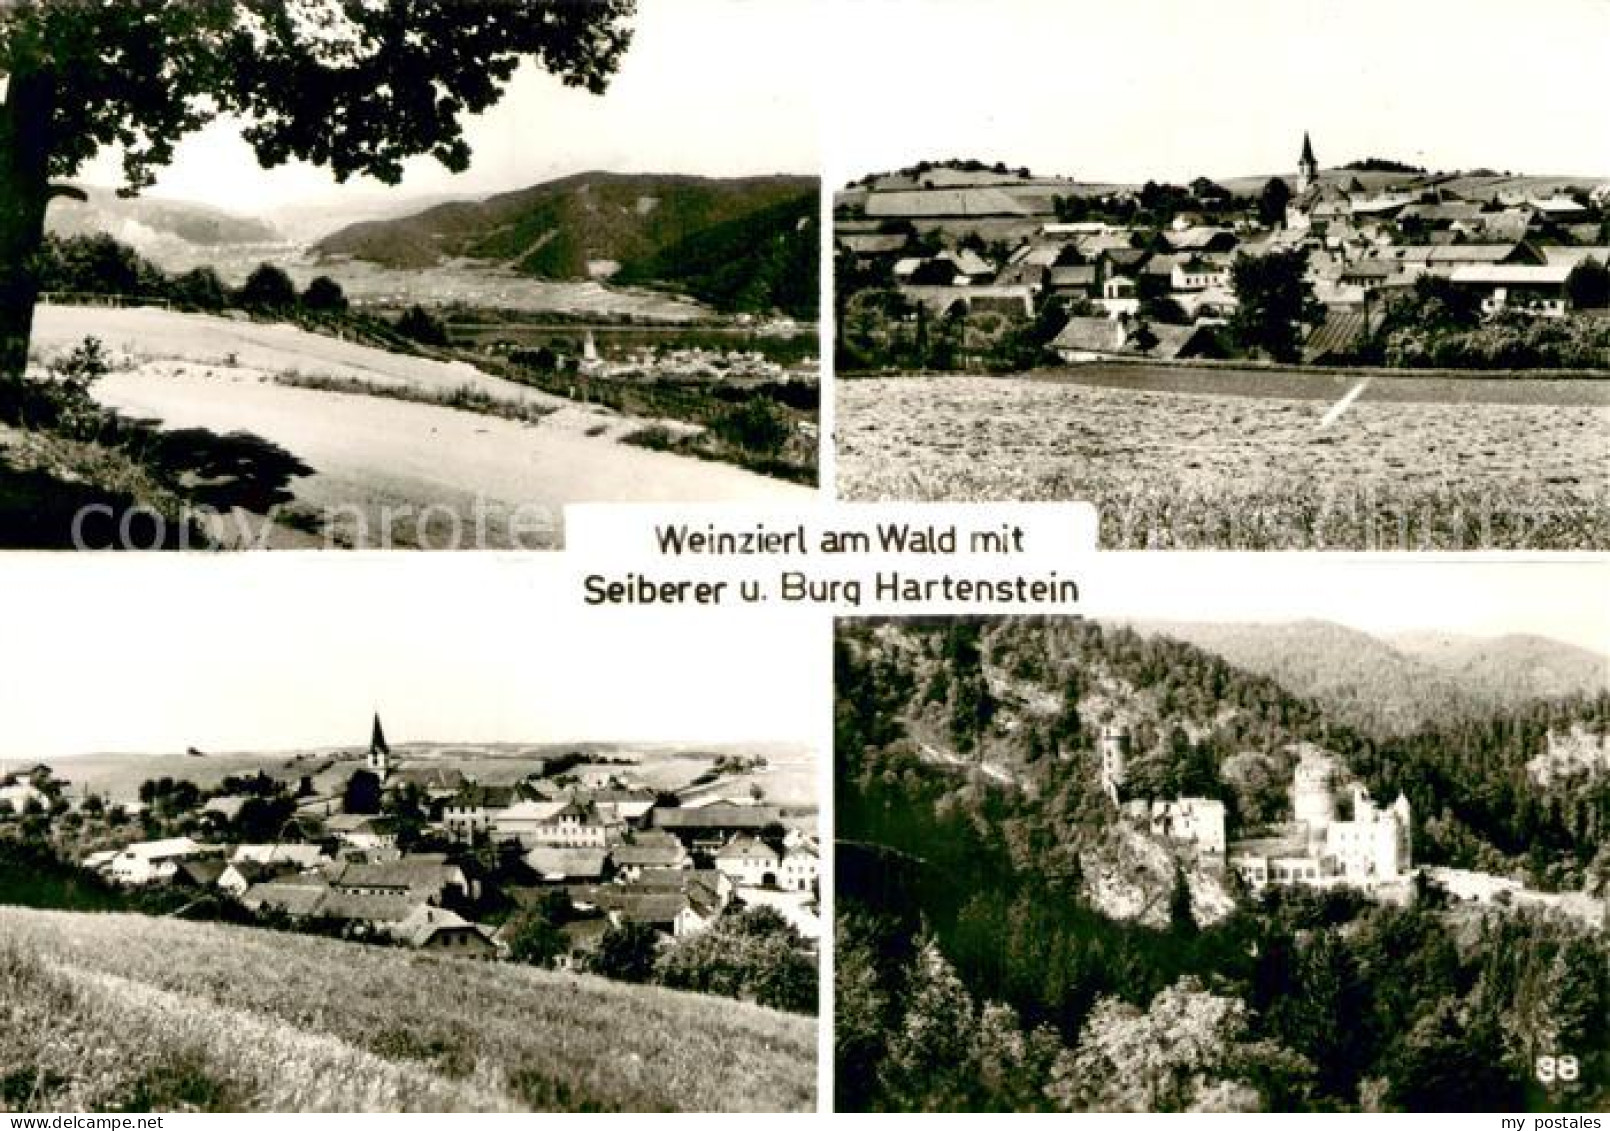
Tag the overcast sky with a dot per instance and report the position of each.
(711, 87)
(1172, 89)
(262, 652)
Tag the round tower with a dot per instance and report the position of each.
(1311, 801)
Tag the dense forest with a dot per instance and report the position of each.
(977, 970)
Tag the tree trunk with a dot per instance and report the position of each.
(25, 122)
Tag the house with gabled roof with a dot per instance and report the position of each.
(1517, 286)
(299, 856)
(439, 930)
(363, 831)
(435, 781)
(554, 865)
(582, 938)
(423, 878)
(632, 858)
(749, 862)
(202, 872)
(800, 867)
(155, 861)
(711, 826)
(297, 897)
(566, 823)
(471, 810)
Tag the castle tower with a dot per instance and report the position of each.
(1307, 167)
(1114, 760)
(379, 759)
(1311, 801)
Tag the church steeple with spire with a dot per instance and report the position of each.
(1307, 167)
(379, 761)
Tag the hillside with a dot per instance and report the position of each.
(645, 228)
(969, 706)
(1395, 685)
(788, 778)
(125, 1012)
(1010, 939)
(1509, 669)
(148, 222)
(307, 439)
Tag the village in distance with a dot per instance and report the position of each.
(1370, 355)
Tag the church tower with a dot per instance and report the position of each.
(1307, 167)
(379, 760)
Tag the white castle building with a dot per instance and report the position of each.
(1194, 822)
(1373, 845)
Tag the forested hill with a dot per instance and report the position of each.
(1005, 941)
(739, 244)
(766, 260)
(1024, 699)
(1395, 685)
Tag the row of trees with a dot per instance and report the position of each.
(750, 953)
(101, 265)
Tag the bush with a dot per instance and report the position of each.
(201, 289)
(627, 952)
(268, 288)
(62, 401)
(325, 296)
(757, 426)
(753, 954)
(422, 326)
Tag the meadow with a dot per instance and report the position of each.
(1247, 466)
(116, 1012)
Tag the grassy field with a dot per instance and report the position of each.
(122, 1012)
(1438, 465)
(276, 437)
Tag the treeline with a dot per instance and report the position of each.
(1437, 325)
(102, 265)
(99, 264)
(749, 953)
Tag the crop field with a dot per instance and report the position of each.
(1239, 461)
(122, 1012)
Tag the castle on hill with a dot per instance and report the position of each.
(1321, 846)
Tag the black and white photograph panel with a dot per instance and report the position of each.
(414, 274)
(498, 860)
(1279, 276)
(1247, 861)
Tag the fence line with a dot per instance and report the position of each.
(92, 298)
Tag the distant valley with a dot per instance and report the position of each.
(657, 247)
(741, 244)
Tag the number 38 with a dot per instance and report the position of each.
(1561, 1068)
